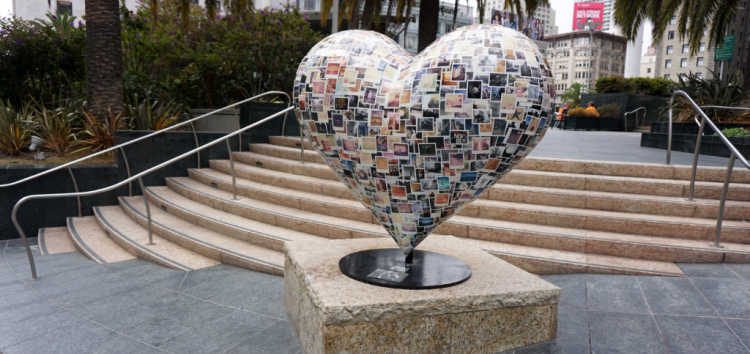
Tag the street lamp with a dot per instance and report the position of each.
(590, 28)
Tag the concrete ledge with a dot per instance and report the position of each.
(499, 308)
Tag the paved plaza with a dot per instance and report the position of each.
(78, 306)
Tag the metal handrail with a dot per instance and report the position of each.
(635, 111)
(120, 146)
(138, 176)
(733, 152)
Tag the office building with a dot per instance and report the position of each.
(575, 59)
(673, 58)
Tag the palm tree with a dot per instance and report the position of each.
(694, 18)
(428, 22)
(103, 57)
(516, 7)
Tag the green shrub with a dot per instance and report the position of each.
(42, 59)
(635, 86)
(213, 62)
(736, 131)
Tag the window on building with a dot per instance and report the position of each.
(682, 76)
(699, 75)
(702, 47)
(699, 61)
(670, 35)
(64, 8)
(683, 63)
(668, 63)
(648, 70)
(565, 76)
(673, 20)
(666, 76)
(310, 4)
(685, 48)
(669, 49)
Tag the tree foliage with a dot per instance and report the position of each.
(572, 95)
(694, 17)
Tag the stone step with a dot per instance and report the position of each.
(588, 219)
(546, 261)
(209, 243)
(95, 242)
(261, 229)
(54, 240)
(622, 202)
(287, 147)
(212, 187)
(561, 180)
(246, 215)
(133, 237)
(530, 258)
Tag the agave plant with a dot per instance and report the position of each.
(14, 128)
(152, 114)
(726, 91)
(55, 127)
(99, 134)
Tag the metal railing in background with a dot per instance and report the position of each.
(635, 111)
(734, 154)
(78, 194)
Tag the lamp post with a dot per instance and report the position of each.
(590, 28)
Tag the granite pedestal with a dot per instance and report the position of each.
(499, 308)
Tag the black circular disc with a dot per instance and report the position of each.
(387, 267)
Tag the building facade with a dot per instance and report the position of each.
(648, 63)
(634, 50)
(673, 57)
(31, 9)
(574, 58)
(544, 13)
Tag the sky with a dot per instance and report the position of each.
(5, 7)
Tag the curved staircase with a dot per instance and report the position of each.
(546, 216)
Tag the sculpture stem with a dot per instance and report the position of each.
(409, 259)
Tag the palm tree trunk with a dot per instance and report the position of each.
(103, 57)
(428, 22)
(455, 12)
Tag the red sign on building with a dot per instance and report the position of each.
(585, 10)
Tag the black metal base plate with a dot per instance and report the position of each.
(386, 267)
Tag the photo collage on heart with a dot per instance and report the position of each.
(418, 137)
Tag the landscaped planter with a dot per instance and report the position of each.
(590, 123)
(691, 127)
(252, 112)
(710, 144)
(141, 156)
(629, 102)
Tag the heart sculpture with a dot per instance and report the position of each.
(417, 137)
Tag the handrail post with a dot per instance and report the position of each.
(148, 212)
(696, 155)
(14, 218)
(301, 145)
(75, 186)
(195, 137)
(723, 200)
(669, 129)
(127, 167)
(234, 173)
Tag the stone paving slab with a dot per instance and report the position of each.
(139, 307)
(612, 146)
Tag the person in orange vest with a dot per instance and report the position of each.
(592, 109)
(560, 116)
